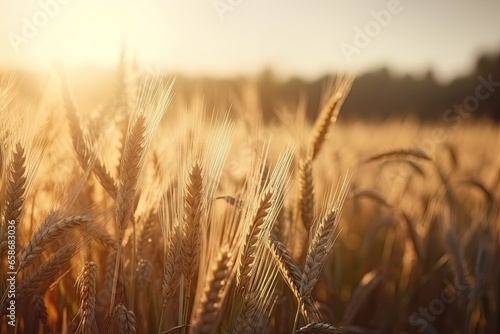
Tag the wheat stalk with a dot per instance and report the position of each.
(144, 269)
(368, 284)
(461, 272)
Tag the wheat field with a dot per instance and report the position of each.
(148, 213)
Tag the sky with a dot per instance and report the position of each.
(239, 37)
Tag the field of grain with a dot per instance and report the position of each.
(148, 213)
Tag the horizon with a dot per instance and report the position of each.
(306, 41)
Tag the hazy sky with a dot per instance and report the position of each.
(243, 36)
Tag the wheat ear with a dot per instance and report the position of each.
(192, 230)
(328, 115)
(40, 311)
(258, 298)
(171, 274)
(306, 193)
(292, 275)
(193, 201)
(247, 318)
(16, 191)
(207, 315)
(46, 272)
(46, 234)
(86, 283)
(100, 235)
(130, 168)
(320, 328)
(399, 154)
(318, 250)
(125, 318)
(82, 148)
(288, 268)
(250, 245)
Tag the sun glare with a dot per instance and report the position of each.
(89, 33)
(91, 36)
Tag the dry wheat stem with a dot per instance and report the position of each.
(144, 268)
(414, 237)
(459, 267)
(144, 245)
(368, 284)
(109, 271)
